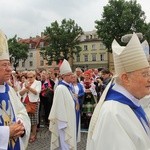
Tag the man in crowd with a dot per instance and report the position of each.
(79, 72)
(118, 121)
(106, 78)
(14, 121)
(46, 95)
(63, 120)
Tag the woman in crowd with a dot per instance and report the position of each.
(30, 93)
(23, 78)
(14, 81)
(78, 90)
(46, 95)
(90, 99)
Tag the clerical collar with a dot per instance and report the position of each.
(66, 83)
(4, 88)
(123, 91)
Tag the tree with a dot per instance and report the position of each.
(146, 31)
(18, 51)
(63, 40)
(120, 17)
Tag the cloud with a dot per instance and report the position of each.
(30, 17)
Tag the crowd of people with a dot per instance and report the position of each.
(87, 85)
(104, 104)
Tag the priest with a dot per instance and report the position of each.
(64, 115)
(118, 121)
(14, 121)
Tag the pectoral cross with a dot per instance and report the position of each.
(7, 121)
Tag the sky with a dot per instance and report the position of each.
(28, 18)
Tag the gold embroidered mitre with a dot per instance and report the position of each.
(4, 53)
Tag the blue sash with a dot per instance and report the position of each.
(139, 112)
(76, 111)
(8, 117)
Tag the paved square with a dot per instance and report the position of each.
(43, 141)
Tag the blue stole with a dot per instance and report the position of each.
(138, 110)
(7, 116)
(76, 111)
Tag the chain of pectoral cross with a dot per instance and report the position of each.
(5, 111)
(12, 140)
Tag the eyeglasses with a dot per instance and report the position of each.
(6, 66)
(29, 77)
(70, 74)
(146, 74)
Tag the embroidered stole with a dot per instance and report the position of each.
(76, 111)
(138, 110)
(7, 116)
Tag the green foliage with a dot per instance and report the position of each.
(120, 17)
(146, 31)
(63, 40)
(18, 51)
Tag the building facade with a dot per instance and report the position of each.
(93, 54)
(34, 60)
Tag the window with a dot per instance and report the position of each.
(23, 64)
(30, 45)
(31, 63)
(95, 36)
(78, 58)
(41, 63)
(85, 47)
(93, 47)
(90, 36)
(86, 57)
(101, 57)
(93, 57)
(102, 46)
(30, 54)
(87, 37)
(41, 44)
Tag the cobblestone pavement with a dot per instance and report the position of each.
(43, 141)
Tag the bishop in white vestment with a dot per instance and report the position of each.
(14, 121)
(119, 122)
(63, 122)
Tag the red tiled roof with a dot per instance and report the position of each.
(35, 41)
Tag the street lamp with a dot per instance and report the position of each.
(126, 38)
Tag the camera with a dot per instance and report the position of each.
(26, 83)
(46, 85)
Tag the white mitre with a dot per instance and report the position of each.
(145, 46)
(65, 67)
(4, 53)
(129, 58)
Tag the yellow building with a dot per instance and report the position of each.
(93, 54)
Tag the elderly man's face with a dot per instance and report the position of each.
(78, 72)
(68, 77)
(74, 79)
(6, 71)
(139, 82)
